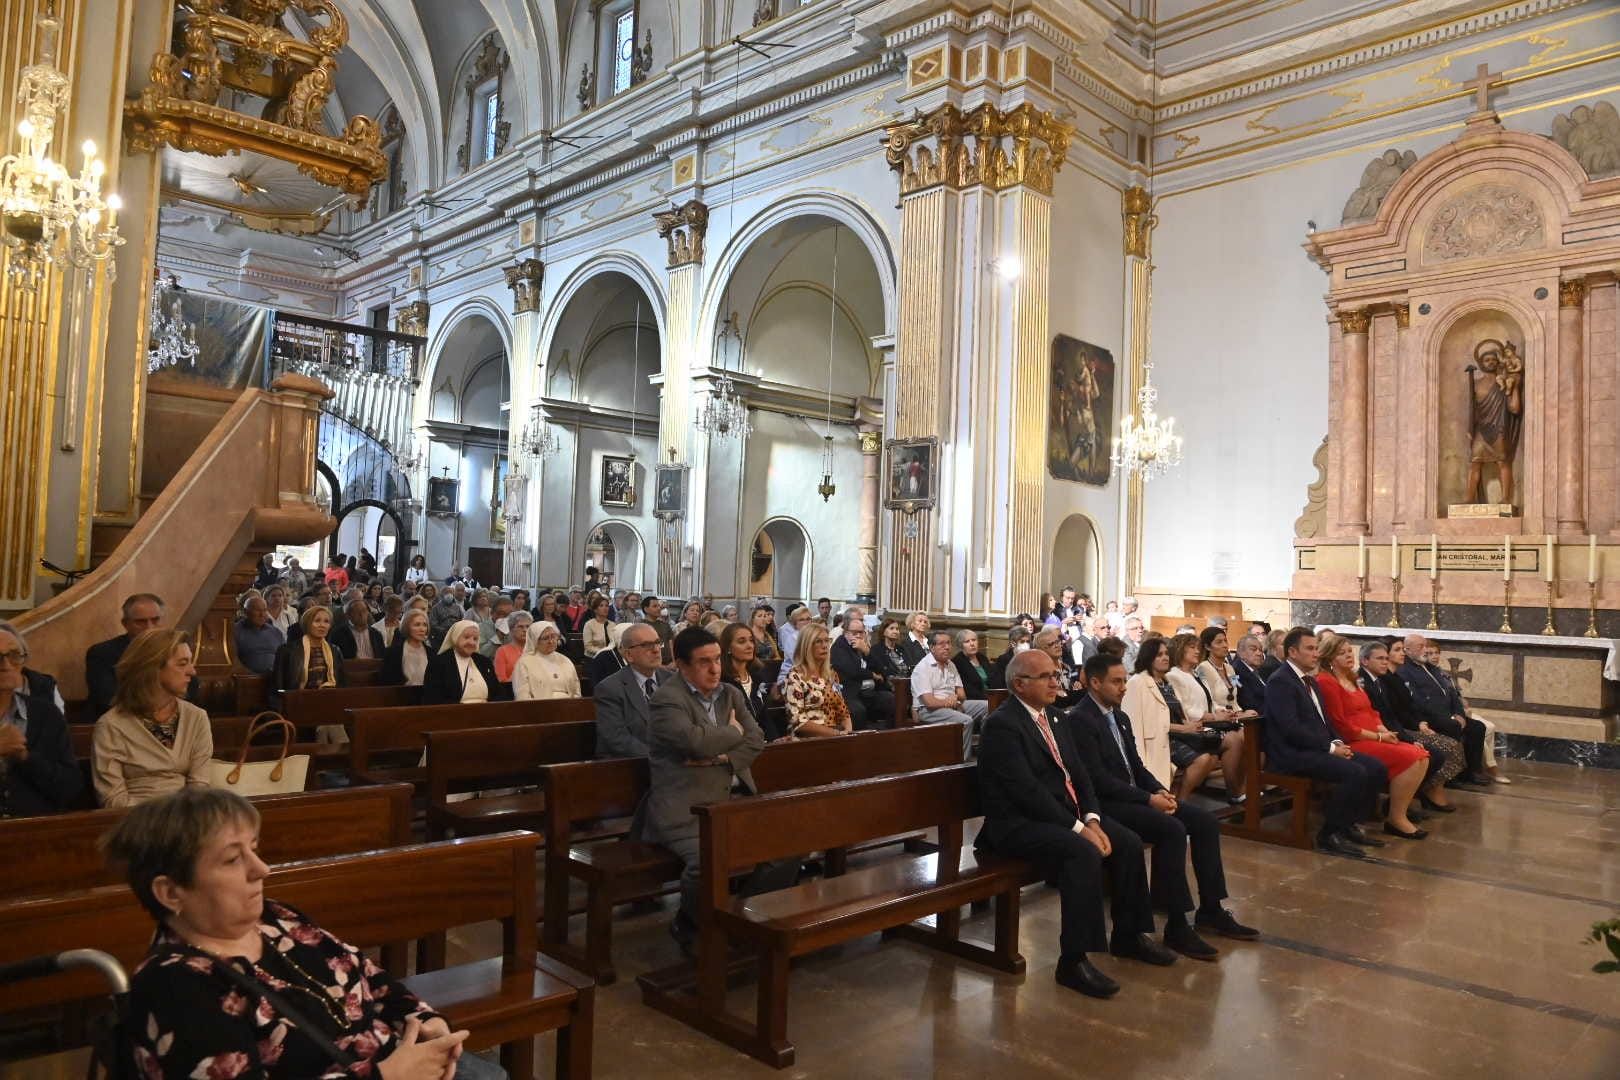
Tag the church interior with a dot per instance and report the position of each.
(809, 537)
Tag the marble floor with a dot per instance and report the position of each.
(1461, 955)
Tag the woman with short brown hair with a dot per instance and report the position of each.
(152, 741)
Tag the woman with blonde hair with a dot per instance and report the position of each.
(405, 661)
(542, 672)
(152, 741)
(1350, 711)
(816, 706)
(308, 662)
(1197, 743)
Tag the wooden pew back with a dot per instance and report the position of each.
(813, 762)
(477, 759)
(312, 708)
(373, 899)
(57, 854)
(374, 731)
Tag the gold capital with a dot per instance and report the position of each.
(1139, 222)
(1403, 316)
(871, 443)
(1356, 321)
(683, 229)
(524, 280)
(412, 318)
(985, 145)
(1572, 293)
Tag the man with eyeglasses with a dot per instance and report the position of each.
(871, 703)
(38, 774)
(622, 709)
(141, 612)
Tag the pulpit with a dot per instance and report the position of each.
(1471, 480)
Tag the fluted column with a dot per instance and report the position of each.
(1353, 419)
(1571, 414)
(871, 453)
(683, 228)
(1136, 208)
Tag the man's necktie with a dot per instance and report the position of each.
(1051, 745)
(649, 687)
(1119, 741)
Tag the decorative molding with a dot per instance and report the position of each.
(871, 443)
(1403, 316)
(1312, 521)
(1489, 220)
(1376, 180)
(412, 318)
(1355, 321)
(1022, 146)
(524, 280)
(1572, 294)
(492, 62)
(683, 229)
(1139, 222)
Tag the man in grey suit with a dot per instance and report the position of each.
(623, 699)
(702, 743)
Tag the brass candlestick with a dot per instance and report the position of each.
(1549, 630)
(1434, 604)
(1361, 601)
(1507, 600)
(1394, 603)
(1591, 610)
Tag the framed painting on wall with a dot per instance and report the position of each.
(669, 491)
(442, 496)
(912, 483)
(618, 481)
(1080, 424)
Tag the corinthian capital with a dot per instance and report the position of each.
(985, 145)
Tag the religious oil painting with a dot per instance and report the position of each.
(669, 494)
(442, 491)
(912, 480)
(1081, 423)
(617, 486)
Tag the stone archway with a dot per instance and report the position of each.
(781, 560)
(1077, 556)
(615, 547)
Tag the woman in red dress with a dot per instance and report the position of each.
(1356, 722)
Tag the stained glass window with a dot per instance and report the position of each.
(624, 48)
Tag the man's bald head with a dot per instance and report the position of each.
(637, 634)
(1029, 677)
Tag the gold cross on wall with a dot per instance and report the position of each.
(1483, 82)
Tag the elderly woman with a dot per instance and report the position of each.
(405, 662)
(815, 703)
(482, 612)
(691, 615)
(542, 672)
(550, 610)
(38, 773)
(595, 633)
(460, 673)
(282, 616)
(235, 984)
(977, 673)
(508, 655)
(309, 661)
(152, 741)
(1197, 743)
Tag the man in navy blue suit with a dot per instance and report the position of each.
(1132, 796)
(1299, 741)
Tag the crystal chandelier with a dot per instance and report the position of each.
(538, 440)
(47, 215)
(171, 339)
(1147, 446)
(725, 413)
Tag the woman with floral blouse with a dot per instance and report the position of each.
(237, 985)
(816, 706)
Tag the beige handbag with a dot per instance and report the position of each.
(285, 774)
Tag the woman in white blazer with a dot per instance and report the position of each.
(1149, 714)
(1193, 746)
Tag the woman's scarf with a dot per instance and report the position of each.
(326, 654)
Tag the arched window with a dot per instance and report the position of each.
(487, 126)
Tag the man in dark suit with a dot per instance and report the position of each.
(702, 742)
(1246, 662)
(38, 773)
(623, 700)
(871, 703)
(1437, 702)
(1299, 741)
(1445, 754)
(1039, 805)
(141, 612)
(1132, 796)
(356, 637)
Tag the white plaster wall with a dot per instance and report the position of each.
(592, 446)
(445, 540)
(1088, 303)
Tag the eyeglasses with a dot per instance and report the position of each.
(15, 657)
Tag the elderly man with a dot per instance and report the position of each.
(355, 637)
(1436, 701)
(798, 617)
(937, 694)
(448, 611)
(38, 773)
(141, 612)
(1118, 619)
(1135, 634)
(871, 703)
(1017, 641)
(256, 640)
(1084, 645)
(1251, 685)
(1040, 805)
(1049, 640)
(623, 699)
(702, 742)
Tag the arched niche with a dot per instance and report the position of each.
(377, 527)
(615, 547)
(780, 560)
(1077, 555)
(1466, 343)
(606, 346)
(470, 340)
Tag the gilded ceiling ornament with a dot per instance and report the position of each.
(1403, 316)
(1572, 293)
(412, 318)
(985, 145)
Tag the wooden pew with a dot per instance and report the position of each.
(367, 900)
(229, 731)
(479, 759)
(737, 834)
(902, 702)
(58, 854)
(385, 745)
(309, 709)
(1294, 796)
(616, 871)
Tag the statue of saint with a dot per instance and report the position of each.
(1497, 400)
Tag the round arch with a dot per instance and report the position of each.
(473, 307)
(608, 262)
(839, 208)
(791, 569)
(1077, 555)
(404, 546)
(629, 551)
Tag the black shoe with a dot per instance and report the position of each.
(1433, 807)
(1081, 975)
(1184, 940)
(1357, 835)
(1142, 947)
(1220, 921)
(684, 932)
(1413, 814)
(1476, 779)
(1415, 834)
(1338, 844)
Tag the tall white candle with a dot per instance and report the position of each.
(1361, 555)
(1591, 559)
(1434, 556)
(1394, 558)
(1507, 558)
(1549, 558)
